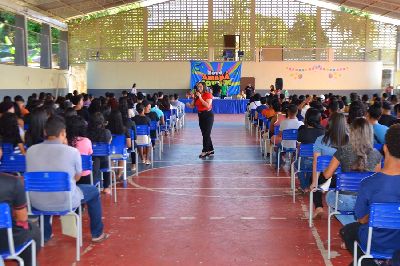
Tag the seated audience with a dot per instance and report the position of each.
(256, 102)
(9, 132)
(77, 101)
(35, 132)
(53, 155)
(142, 119)
(373, 115)
(76, 136)
(307, 134)
(12, 192)
(335, 137)
(380, 187)
(358, 155)
(386, 118)
(98, 133)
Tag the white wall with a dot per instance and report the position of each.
(27, 78)
(176, 75)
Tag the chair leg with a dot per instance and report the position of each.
(310, 223)
(152, 155)
(355, 254)
(33, 253)
(115, 187)
(278, 162)
(20, 260)
(124, 176)
(42, 230)
(159, 150)
(78, 244)
(137, 162)
(80, 226)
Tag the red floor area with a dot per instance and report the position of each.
(226, 211)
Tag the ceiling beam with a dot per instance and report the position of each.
(30, 13)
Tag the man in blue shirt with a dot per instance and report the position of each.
(380, 187)
(373, 115)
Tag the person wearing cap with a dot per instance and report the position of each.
(386, 118)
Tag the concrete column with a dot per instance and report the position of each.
(63, 47)
(21, 41)
(145, 55)
(45, 46)
(253, 30)
(211, 48)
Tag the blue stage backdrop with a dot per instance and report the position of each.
(228, 73)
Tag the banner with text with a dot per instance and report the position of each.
(226, 73)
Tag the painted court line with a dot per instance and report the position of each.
(211, 177)
(217, 218)
(278, 218)
(127, 218)
(248, 218)
(157, 218)
(317, 238)
(188, 218)
(207, 188)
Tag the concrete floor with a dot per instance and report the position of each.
(229, 210)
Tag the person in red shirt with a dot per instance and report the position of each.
(203, 102)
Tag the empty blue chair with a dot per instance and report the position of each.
(290, 135)
(349, 182)
(306, 151)
(13, 252)
(44, 182)
(13, 164)
(101, 149)
(381, 216)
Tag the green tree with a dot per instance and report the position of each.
(271, 31)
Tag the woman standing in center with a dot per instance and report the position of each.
(203, 102)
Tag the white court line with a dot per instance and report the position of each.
(320, 244)
(248, 218)
(211, 177)
(188, 218)
(278, 218)
(217, 218)
(206, 188)
(127, 218)
(157, 218)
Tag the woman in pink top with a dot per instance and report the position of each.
(76, 135)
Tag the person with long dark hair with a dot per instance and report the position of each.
(37, 122)
(77, 138)
(9, 132)
(98, 133)
(203, 101)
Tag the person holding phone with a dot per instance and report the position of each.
(202, 100)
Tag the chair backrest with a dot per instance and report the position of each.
(5, 216)
(306, 150)
(167, 115)
(87, 162)
(378, 146)
(385, 215)
(350, 181)
(101, 149)
(47, 182)
(276, 130)
(154, 125)
(13, 163)
(174, 112)
(289, 134)
(7, 148)
(118, 144)
(143, 130)
(323, 162)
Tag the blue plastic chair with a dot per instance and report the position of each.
(13, 164)
(101, 149)
(288, 134)
(87, 165)
(382, 216)
(306, 151)
(273, 145)
(349, 182)
(323, 162)
(119, 152)
(155, 126)
(7, 148)
(144, 130)
(13, 252)
(44, 182)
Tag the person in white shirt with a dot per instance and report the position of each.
(290, 123)
(256, 102)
